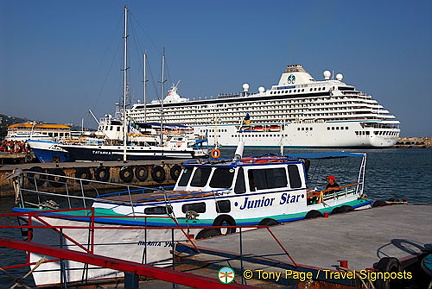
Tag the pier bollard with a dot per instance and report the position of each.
(343, 263)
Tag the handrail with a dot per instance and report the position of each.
(93, 226)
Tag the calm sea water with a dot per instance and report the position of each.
(390, 173)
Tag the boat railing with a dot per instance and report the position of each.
(68, 192)
(42, 220)
(71, 192)
(343, 191)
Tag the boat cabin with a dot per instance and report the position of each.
(244, 176)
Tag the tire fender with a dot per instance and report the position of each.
(35, 177)
(313, 214)
(141, 173)
(126, 174)
(83, 173)
(268, 222)
(225, 220)
(158, 174)
(175, 172)
(387, 264)
(55, 181)
(102, 173)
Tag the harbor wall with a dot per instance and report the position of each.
(414, 142)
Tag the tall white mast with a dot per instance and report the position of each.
(125, 36)
(145, 87)
(162, 96)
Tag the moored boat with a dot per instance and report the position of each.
(48, 151)
(310, 113)
(210, 198)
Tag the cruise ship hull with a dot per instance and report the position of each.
(318, 135)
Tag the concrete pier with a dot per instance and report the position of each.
(358, 240)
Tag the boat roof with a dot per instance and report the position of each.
(270, 159)
(326, 155)
(38, 125)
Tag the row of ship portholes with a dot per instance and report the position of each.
(56, 177)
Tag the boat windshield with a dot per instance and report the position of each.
(200, 177)
(267, 179)
(184, 179)
(222, 178)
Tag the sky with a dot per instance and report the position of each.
(60, 59)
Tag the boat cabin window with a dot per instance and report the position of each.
(200, 177)
(184, 179)
(294, 176)
(222, 178)
(267, 179)
(223, 206)
(240, 186)
(196, 207)
(158, 210)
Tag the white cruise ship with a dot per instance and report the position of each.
(297, 112)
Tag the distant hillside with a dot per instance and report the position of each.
(6, 121)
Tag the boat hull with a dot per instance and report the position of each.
(48, 151)
(115, 153)
(142, 245)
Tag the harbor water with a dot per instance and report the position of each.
(390, 173)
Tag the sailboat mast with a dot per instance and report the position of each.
(145, 87)
(162, 96)
(125, 36)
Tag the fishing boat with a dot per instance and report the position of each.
(210, 197)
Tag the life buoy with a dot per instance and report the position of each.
(141, 173)
(158, 174)
(57, 177)
(83, 173)
(215, 153)
(35, 178)
(102, 173)
(175, 172)
(126, 174)
(225, 220)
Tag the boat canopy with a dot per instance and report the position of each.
(329, 155)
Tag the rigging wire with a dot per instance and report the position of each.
(84, 111)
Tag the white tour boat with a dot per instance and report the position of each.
(211, 197)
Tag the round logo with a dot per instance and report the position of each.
(226, 275)
(291, 79)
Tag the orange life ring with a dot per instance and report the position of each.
(215, 153)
